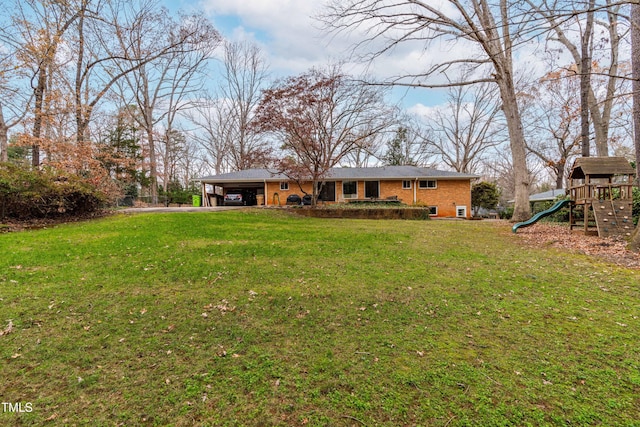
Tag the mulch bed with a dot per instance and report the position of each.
(609, 249)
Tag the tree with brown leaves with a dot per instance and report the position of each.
(319, 117)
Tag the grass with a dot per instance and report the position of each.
(262, 318)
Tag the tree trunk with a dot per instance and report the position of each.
(38, 115)
(153, 168)
(635, 66)
(585, 81)
(560, 166)
(4, 138)
(522, 209)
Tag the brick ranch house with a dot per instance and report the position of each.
(448, 194)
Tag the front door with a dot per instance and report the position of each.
(371, 189)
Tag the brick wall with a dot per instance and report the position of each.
(447, 196)
(274, 187)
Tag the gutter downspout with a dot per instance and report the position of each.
(415, 191)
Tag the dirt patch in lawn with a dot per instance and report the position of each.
(610, 249)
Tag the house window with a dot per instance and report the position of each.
(427, 183)
(350, 189)
(461, 211)
(433, 210)
(284, 186)
(406, 184)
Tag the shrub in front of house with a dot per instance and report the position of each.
(367, 211)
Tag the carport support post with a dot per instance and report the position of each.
(266, 201)
(205, 199)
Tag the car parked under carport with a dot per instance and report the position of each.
(240, 197)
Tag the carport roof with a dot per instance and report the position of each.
(342, 174)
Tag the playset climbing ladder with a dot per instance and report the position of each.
(601, 192)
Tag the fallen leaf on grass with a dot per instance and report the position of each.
(224, 307)
(7, 330)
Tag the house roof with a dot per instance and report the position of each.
(342, 174)
(600, 166)
(544, 196)
(547, 195)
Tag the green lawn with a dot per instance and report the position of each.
(260, 318)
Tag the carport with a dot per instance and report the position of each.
(253, 181)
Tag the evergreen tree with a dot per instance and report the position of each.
(398, 150)
(484, 195)
(120, 153)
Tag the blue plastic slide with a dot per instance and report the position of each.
(555, 208)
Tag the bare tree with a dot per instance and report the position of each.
(160, 86)
(467, 127)
(562, 18)
(490, 33)
(223, 118)
(244, 75)
(212, 131)
(552, 117)
(190, 163)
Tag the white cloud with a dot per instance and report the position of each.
(285, 29)
(292, 41)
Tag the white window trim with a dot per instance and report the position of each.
(460, 209)
(284, 186)
(435, 208)
(406, 181)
